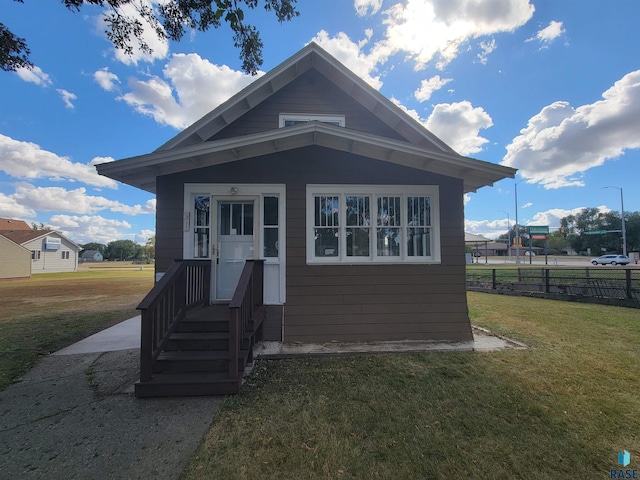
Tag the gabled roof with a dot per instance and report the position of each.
(192, 148)
(23, 236)
(11, 224)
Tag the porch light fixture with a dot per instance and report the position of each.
(233, 190)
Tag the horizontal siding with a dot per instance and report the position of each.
(310, 93)
(15, 261)
(272, 326)
(386, 302)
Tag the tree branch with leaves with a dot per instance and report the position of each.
(170, 20)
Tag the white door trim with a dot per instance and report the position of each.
(274, 265)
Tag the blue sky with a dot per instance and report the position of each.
(551, 88)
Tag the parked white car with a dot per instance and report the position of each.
(611, 260)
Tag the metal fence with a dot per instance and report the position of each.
(620, 286)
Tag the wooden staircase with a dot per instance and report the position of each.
(204, 349)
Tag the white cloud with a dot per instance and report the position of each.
(11, 208)
(34, 75)
(350, 53)
(186, 94)
(458, 125)
(527, 205)
(549, 33)
(67, 97)
(108, 81)
(364, 7)
(159, 46)
(427, 87)
(561, 142)
(90, 228)
(485, 49)
(428, 29)
(28, 160)
(467, 198)
(495, 228)
(57, 199)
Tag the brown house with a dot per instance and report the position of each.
(355, 208)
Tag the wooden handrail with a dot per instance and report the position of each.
(246, 304)
(185, 285)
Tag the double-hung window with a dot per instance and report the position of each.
(365, 224)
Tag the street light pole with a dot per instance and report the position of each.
(517, 227)
(508, 232)
(624, 232)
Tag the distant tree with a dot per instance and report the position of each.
(170, 20)
(39, 226)
(576, 228)
(122, 250)
(150, 248)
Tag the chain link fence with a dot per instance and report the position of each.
(619, 286)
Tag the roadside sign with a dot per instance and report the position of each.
(538, 237)
(537, 229)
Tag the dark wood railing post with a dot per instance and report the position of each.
(493, 278)
(184, 285)
(628, 282)
(547, 281)
(146, 348)
(234, 342)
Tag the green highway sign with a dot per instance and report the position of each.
(543, 230)
(599, 232)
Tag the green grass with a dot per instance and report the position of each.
(51, 311)
(561, 409)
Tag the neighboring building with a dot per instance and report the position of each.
(50, 251)
(91, 256)
(356, 208)
(15, 260)
(11, 224)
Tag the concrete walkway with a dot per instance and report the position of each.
(74, 415)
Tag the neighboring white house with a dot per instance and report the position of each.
(91, 256)
(50, 251)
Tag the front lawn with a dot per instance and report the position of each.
(562, 409)
(50, 311)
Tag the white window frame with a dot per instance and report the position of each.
(65, 255)
(309, 117)
(373, 191)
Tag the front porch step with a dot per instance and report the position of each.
(198, 341)
(188, 384)
(196, 361)
(202, 325)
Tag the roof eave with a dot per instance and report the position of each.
(141, 171)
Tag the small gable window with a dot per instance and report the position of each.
(290, 119)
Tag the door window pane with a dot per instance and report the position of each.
(270, 220)
(202, 216)
(270, 242)
(271, 210)
(247, 227)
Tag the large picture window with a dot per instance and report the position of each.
(360, 224)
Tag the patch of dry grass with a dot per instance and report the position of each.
(51, 311)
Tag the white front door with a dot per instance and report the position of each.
(235, 243)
